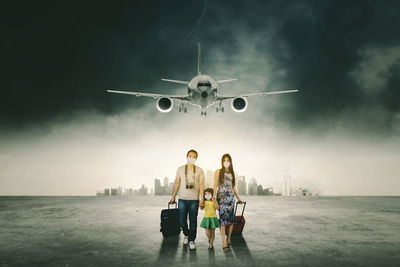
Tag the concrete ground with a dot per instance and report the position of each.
(124, 231)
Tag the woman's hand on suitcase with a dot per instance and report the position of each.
(172, 200)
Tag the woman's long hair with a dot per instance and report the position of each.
(222, 170)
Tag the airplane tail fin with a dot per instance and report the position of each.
(198, 60)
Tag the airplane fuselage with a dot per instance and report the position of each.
(202, 91)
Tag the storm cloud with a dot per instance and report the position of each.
(59, 58)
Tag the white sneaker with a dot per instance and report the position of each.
(192, 245)
(185, 240)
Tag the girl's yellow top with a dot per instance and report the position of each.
(209, 209)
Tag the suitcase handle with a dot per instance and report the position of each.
(237, 203)
(173, 203)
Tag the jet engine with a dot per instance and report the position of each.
(164, 104)
(239, 104)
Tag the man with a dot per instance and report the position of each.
(189, 182)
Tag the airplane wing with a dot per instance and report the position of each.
(177, 97)
(227, 81)
(175, 81)
(223, 97)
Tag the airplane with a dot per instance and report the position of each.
(202, 92)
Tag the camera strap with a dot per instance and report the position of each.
(194, 173)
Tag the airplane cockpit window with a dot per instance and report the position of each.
(206, 84)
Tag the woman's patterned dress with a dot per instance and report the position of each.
(226, 200)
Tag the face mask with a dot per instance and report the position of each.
(191, 160)
(208, 197)
(226, 164)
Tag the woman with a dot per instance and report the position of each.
(224, 185)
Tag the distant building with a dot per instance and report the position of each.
(143, 191)
(114, 191)
(106, 192)
(209, 179)
(129, 192)
(252, 187)
(260, 190)
(165, 189)
(286, 186)
(157, 187)
(241, 185)
(269, 191)
(303, 192)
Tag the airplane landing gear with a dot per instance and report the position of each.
(220, 107)
(182, 108)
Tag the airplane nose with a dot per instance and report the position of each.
(204, 94)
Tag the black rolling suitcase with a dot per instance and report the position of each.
(170, 221)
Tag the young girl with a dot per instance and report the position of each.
(210, 220)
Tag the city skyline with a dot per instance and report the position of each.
(121, 191)
(244, 188)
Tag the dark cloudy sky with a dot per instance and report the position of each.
(59, 57)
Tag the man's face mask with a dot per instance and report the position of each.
(191, 160)
(226, 164)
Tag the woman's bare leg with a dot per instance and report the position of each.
(230, 233)
(222, 229)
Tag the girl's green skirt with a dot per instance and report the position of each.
(209, 223)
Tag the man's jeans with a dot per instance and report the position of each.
(192, 207)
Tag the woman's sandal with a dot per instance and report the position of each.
(226, 249)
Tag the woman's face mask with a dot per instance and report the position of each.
(226, 164)
(207, 196)
(191, 160)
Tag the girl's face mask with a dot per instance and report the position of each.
(208, 196)
(191, 160)
(226, 164)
